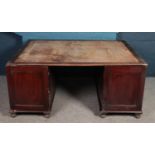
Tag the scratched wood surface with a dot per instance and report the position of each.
(63, 52)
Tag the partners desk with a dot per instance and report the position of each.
(120, 80)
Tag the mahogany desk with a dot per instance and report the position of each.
(120, 82)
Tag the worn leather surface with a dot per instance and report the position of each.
(76, 52)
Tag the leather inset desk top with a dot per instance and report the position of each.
(76, 52)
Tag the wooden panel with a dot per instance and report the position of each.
(56, 52)
(28, 88)
(123, 88)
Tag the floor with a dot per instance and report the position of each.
(76, 102)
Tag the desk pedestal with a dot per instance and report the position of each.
(120, 89)
(31, 89)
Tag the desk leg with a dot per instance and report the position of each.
(13, 113)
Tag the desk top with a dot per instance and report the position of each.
(76, 53)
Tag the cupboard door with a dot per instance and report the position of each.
(123, 88)
(28, 88)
